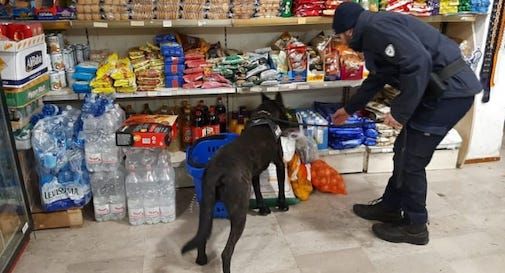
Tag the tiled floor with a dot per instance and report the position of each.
(467, 228)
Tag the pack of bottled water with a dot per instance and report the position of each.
(59, 153)
(101, 118)
(150, 186)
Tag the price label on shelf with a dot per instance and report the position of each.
(256, 89)
(273, 89)
(302, 21)
(201, 23)
(167, 23)
(303, 86)
(100, 24)
(137, 23)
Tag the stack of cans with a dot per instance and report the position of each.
(63, 60)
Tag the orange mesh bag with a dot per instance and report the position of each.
(326, 179)
(299, 179)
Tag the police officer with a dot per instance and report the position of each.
(436, 88)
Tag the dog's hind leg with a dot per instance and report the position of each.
(260, 203)
(201, 259)
(281, 177)
(237, 220)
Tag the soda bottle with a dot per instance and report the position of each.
(186, 124)
(147, 110)
(129, 111)
(234, 122)
(213, 126)
(164, 110)
(205, 111)
(221, 114)
(198, 128)
(240, 124)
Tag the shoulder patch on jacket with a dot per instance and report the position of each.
(390, 50)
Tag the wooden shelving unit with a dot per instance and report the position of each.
(253, 22)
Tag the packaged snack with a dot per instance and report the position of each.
(193, 77)
(351, 64)
(332, 67)
(297, 61)
(191, 85)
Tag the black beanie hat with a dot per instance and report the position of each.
(346, 16)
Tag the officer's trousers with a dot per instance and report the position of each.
(413, 150)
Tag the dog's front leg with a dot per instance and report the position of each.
(281, 177)
(260, 203)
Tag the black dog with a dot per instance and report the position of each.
(229, 173)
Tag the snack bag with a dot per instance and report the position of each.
(299, 178)
(326, 179)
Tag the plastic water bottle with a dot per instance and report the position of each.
(117, 195)
(135, 198)
(100, 202)
(165, 176)
(92, 148)
(151, 197)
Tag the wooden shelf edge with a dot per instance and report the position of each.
(252, 22)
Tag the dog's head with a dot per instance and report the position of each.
(275, 107)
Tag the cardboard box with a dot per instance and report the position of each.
(147, 131)
(19, 97)
(24, 61)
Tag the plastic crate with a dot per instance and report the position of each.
(197, 157)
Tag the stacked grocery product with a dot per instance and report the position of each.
(448, 7)
(315, 128)
(142, 10)
(420, 8)
(24, 65)
(307, 8)
(355, 132)
(150, 186)
(82, 76)
(148, 66)
(218, 9)
(268, 8)
(167, 9)
(100, 119)
(193, 74)
(88, 10)
(114, 75)
(60, 161)
(387, 135)
(193, 9)
(174, 62)
(64, 63)
(243, 9)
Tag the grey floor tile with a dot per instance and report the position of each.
(348, 260)
(428, 262)
(123, 265)
(487, 264)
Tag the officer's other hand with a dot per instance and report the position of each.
(339, 117)
(391, 121)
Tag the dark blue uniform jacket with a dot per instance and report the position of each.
(402, 51)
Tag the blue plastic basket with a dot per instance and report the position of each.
(197, 157)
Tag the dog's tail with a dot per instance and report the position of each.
(206, 213)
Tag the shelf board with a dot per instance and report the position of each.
(253, 22)
(63, 95)
(298, 86)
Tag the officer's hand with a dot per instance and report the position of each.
(391, 121)
(339, 117)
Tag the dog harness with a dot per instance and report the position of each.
(263, 117)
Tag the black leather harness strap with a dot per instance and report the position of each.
(263, 117)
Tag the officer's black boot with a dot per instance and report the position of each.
(378, 211)
(416, 234)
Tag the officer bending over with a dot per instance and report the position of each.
(437, 89)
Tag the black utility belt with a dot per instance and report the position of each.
(437, 85)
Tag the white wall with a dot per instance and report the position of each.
(488, 120)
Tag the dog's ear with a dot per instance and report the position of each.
(278, 98)
(264, 97)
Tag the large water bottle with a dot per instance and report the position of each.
(100, 196)
(134, 197)
(117, 201)
(92, 148)
(165, 176)
(151, 197)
